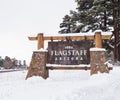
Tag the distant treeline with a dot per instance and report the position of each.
(9, 63)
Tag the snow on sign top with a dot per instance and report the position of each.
(74, 34)
(41, 50)
(97, 49)
(80, 34)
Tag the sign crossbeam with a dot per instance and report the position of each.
(104, 37)
(97, 38)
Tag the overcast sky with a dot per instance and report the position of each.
(22, 18)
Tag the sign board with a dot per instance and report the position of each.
(69, 52)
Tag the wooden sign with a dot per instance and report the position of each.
(69, 52)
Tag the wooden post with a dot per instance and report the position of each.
(98, 40)
(40, 41)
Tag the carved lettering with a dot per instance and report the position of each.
(69, 53)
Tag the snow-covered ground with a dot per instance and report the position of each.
(61, 85)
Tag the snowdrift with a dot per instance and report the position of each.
(61, 85)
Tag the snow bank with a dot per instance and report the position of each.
(61, 85)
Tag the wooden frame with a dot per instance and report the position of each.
(39, 67)
(97, 38)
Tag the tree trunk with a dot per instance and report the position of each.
(116, 14)
(105, 20)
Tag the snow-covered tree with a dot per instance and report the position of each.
(92, 15)
(1, 62)
(68, 24)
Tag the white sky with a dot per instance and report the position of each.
(20, 18)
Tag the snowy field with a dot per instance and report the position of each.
(61, 85)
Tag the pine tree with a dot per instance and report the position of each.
(96, 14)
(90, 15)
(68, 23)
(1, 62)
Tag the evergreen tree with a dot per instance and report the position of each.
(90, 15)
(68, 25)
(95, 14)
(1, 62)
